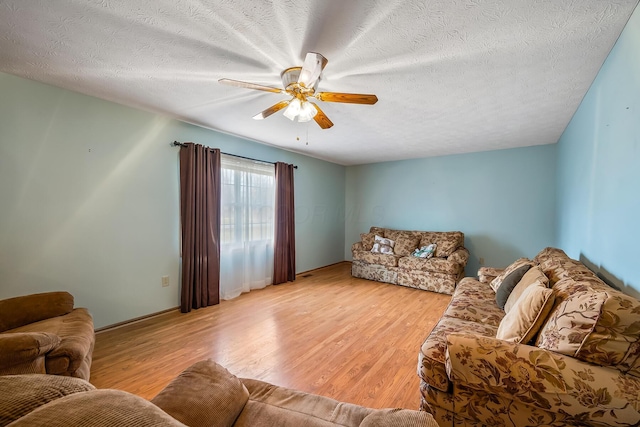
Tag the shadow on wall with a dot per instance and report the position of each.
(494, 253)
(609, 278)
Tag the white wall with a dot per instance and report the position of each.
(89, 200)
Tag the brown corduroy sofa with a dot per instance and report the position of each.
(205, 394)
(44, 333)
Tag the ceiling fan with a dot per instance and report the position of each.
(301, 83)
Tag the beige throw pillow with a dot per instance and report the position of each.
(524, 320)
(534, 276)
(495, 283)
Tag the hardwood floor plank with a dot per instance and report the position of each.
(329, 333)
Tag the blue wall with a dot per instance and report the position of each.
(89, 200)
(599, 169)
(503, 201)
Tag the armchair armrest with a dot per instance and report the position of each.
(543, 380)
(459, 256)
(20, 311)
(357, 246)
(24, 352)
(487, 274)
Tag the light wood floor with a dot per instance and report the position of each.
(330, 334)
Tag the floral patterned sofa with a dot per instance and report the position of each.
(577, 364)
(440, 273)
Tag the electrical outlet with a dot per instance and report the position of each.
(481, 261)
(165, 281)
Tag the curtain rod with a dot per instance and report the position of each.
(180, 144)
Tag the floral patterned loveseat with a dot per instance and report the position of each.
(581, 367)
(439, 274)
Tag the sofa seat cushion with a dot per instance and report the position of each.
(436, 265)
(472, 287)
(442, 283)
(385, 260)
(474, 301)
(431, 358)
(77, 338)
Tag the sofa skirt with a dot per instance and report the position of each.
(374, 272)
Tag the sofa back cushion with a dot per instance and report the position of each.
(377, 230)
(447, 241)
(557, 265)
(594, 323)
(367, 239)
(406, 242)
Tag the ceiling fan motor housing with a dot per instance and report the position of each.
(290, 80)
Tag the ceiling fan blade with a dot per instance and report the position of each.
(321, 118)
(273, 109)
(350, 98)
(313, 65)
(246, 85)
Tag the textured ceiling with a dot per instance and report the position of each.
(451, 76)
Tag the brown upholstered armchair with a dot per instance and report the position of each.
(45, 334)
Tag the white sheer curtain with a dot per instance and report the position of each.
(246, 225)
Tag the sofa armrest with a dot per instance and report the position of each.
(542, 380)
(357, 246)
(204, 394)
(20, 311)
(24, 352)
(487, 274)
(459, 256)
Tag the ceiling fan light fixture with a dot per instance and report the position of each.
(293, 109)
(307, 112)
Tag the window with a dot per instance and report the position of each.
(247, 202)
(246, 225)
